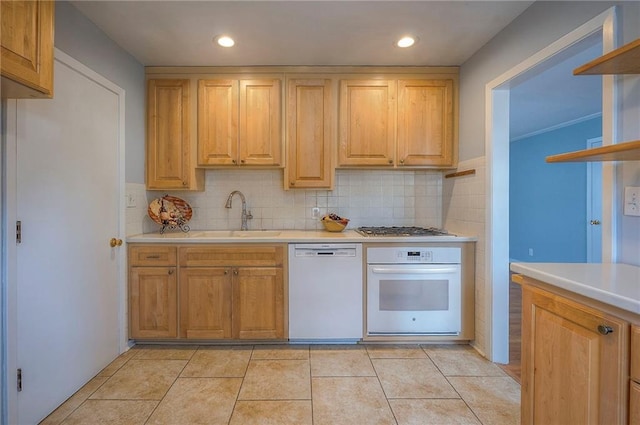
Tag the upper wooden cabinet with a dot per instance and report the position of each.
(417, 130)
(239, 122)
(310, 134)
(26, 39)
(170, 153)
(367, 129)
(425, 123)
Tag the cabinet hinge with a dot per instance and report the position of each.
(18, 232)
(19, 380)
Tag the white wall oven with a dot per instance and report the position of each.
(413, 291)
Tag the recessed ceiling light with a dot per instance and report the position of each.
(225, 41)
(406, 41)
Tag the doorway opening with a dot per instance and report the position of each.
(497, 139)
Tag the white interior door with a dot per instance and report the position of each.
(594, 206)
(68, 195)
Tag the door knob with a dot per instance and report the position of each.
(115, 242)
(594, 222)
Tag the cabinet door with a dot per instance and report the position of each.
(635, 353)
(205, 303)
(571, 373)
(367, 122)
(634, 403)
(27, 48)
(260, 122)
(310, 137)
(169, 162)
(152, 302)
(425, 122)
(258, 303)
(217, 122)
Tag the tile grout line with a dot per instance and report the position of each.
(244, 375)
(452, 386)
(393, 414)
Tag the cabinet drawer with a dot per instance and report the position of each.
(635, 353)
(237, 255)
(152, 255)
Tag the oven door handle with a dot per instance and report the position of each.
(400, 270)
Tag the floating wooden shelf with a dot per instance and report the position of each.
(627, 151)
(623, 60)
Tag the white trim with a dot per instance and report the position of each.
(589, 217)
(497, 149)
(558, 126)
(10, 190)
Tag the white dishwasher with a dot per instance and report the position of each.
(325, 292)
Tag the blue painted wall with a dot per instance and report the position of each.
(548, 201)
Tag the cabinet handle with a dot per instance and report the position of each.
(235, 272)
(402, 161)
(226, 272)
(604, 329)
(233, 161)
(170, 271)
(292, 183)
(391, 161)
(242, 161)
(152, 257)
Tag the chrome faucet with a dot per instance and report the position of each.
(245, 215)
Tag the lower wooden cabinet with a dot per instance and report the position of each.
(634, 403)
(153, 302)
(215, 293)
(575, 361)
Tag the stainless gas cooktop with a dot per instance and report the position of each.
(402, 231)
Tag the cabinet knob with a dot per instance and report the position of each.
(402, 161)
(292, 183)
(604, 329)
(226, 272)
(170, 271)
(235, 272)
(391, 161)
(184, 183)
(115, 242)
(242, 161)
(233, 160)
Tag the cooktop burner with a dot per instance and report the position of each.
(402, 231)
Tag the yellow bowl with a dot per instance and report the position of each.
(334, 226)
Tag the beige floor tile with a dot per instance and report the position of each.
(163, 352)
(141, 380)
(198, 401)
(218, 362)
(461, 360)
(116, 364)
(396, 351)
(280, 352)
(495, 400)
(286, 412)
(113, 412)
(432, 412)
(412, 378)
(74, 401)
(350, 400)
(340, 361)
(276, 380)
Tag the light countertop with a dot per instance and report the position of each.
(283, 236)
(611, 283)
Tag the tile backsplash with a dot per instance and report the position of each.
(366, 197)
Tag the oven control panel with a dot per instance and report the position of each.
(419, 256)
(413, 255)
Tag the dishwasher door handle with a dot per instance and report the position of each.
(402, 270)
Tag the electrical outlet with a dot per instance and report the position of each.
(315, 212)
(131, 200)
(530, 252)
(632, 200)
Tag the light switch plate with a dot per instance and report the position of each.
(131, 200)
(632, 200)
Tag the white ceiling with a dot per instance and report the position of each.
(180, 33)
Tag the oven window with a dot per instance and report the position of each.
(414, 295)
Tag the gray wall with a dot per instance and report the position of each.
(536, 28)
(81, 39)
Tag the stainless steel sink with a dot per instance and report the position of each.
(235, 234)
(256, 233)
